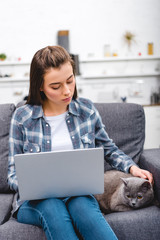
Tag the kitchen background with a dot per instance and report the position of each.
(111, 68)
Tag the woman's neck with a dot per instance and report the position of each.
(52, 110)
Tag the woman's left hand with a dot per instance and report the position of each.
(138, 172)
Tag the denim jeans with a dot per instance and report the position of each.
(67, 219)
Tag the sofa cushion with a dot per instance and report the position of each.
(5, 206)
(137, 224)
(12, 230)
(125, 124)
(6, 111)
(150, 161)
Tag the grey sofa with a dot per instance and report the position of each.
(125, 124)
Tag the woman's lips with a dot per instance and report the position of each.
(67, 99)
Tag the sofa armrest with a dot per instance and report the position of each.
(150, 160)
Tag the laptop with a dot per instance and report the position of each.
(60, 173)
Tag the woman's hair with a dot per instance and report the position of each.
(44, 59)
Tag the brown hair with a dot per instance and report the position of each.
(45, 58)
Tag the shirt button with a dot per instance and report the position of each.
(46, 124)
(31, 150)
(48, 141)
(72, 137)
(38, 149)
(68, 121)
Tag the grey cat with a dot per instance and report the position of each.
(123, 192)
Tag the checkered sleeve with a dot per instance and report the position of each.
(15, 147)
(112, 154)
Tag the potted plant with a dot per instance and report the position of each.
(3, 56)
(129, 39)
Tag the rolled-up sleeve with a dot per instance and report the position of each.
(112, 154)
(15, 147)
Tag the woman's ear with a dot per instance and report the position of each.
(41, 89)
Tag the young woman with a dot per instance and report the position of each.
(55, 119)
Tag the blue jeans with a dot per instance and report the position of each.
(67, 219)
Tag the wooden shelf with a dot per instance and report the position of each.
(122, 75)
(114, 59)
(14, 79)
(13, 63)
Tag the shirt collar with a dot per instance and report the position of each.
(37, 111)
(74, 108)
(79, 108)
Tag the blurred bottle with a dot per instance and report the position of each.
(63, 39)
(150, 48)
(107, 50)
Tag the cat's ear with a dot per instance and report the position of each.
(124, 181)
(146, 186)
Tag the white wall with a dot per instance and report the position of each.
(28, 25)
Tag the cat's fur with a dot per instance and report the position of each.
(123, 192)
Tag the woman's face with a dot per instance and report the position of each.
(59, 86)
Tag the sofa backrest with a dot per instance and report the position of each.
(125, 124)
(6, 111)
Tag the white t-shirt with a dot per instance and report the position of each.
(59, 132)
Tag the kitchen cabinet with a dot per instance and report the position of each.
(14, 81)
(116, 78)
(152, 115)
(120, 67)
(13, 92)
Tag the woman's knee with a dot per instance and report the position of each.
(50, 205)
(28, 214)
(83, 202)
(79, 206)
(34, 212)
(53, 209)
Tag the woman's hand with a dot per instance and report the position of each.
(138, 172)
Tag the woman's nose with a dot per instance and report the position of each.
(66, 89)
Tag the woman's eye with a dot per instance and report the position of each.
(55, 88)
(71, 81)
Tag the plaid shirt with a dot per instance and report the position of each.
(29, 132)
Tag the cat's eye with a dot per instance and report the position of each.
(128, 196)
(139, 197)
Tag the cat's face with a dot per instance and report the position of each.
(137, 192)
